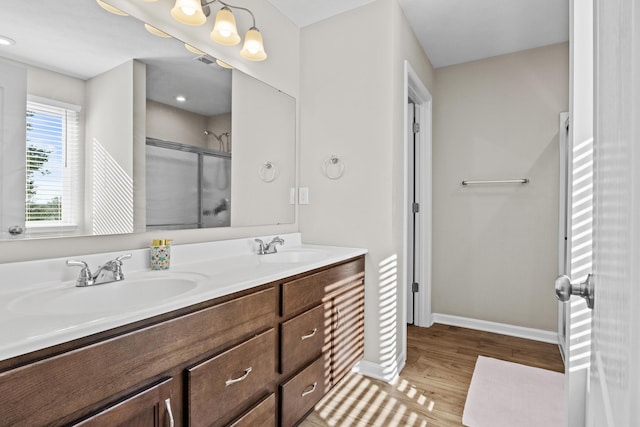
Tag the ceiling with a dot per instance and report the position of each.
(451, 32)
(457, 31)
(68, 42)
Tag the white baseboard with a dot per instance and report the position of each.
(383, 373)
(498, 328)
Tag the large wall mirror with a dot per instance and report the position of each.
(109, 129)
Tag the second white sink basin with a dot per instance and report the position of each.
(115, 297)
(293, 256)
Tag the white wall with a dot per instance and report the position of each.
(281, 69)
(110, 145)
(270, 138)
(495, 247)
(220, 124)
(174, 124)
(352, 107)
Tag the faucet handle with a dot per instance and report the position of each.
(260, 246)
(85, 278)
(117, 266)
(123, 257)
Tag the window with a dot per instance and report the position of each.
(52, 165)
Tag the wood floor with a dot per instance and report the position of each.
(432, 388)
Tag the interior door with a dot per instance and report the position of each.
(613, 393)
(413, 210)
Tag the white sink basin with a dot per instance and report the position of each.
(115, 297)
(293, 256)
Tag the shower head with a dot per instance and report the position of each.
(218, 137)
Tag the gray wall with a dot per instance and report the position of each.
(495, 247)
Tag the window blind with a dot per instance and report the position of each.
(52, 165)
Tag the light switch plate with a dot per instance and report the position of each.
(303, 195)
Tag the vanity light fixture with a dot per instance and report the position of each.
(223, 64)
(153, 30)
(111, 9)
(194, 49)
(6, 41)
(189, 12)
(181, 98)
(224, 31)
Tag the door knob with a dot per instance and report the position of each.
(564, 289)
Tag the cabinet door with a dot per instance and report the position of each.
(348, 331)
(148, 408)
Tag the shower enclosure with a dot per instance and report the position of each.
(187, 186)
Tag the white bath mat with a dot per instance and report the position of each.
(506, 394)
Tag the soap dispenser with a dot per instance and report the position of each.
(160, 254)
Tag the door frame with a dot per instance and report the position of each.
(421, 97)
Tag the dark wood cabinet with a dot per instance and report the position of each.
(260, 357)
(326, 308)
(263, 414)
(299, 394)
(302, 339)
(348, 330)
(151, 407)
(220, 387)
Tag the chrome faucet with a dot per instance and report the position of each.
(269, 248)
(107, 273)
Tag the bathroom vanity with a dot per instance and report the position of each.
(260, 349)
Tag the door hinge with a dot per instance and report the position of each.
(416, 127)
(415, 287)
(416, 207)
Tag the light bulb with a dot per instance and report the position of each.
(253, 48)
(224, 30)
(188, 12)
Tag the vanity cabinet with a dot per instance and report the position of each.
(347, 346)
(260, 357)
(217, 387)
(322, 335)
(150, 407)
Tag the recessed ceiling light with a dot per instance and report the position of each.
(6, 41)
(181, 98)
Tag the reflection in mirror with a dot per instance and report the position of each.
(99, 94)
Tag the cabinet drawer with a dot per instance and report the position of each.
(309, 290)
(219, 387)
(302, 339)
(301, 393)
(261, 415)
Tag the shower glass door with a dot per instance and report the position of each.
(187, 186)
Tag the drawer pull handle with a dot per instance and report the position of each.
(310, 389)
(309, 335)
(167, 405)
(237, 380)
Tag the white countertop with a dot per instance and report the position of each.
(33, 317)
